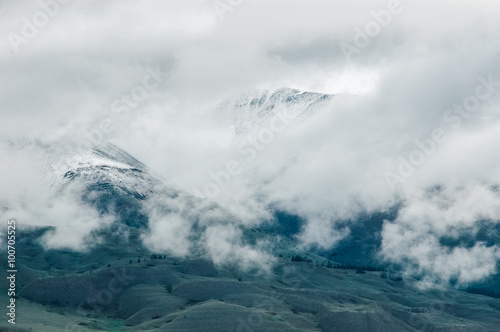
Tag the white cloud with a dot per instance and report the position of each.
(62, 83)
(169, 229)
(28, 197)
(226, 247)
(413, 239)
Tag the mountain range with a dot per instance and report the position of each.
(211, 271)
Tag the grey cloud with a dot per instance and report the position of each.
(327, 169)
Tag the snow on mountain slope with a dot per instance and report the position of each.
(250, 109)
(113, 181)
(103, 177)
(107, 166)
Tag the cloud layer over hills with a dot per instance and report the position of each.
(414, 117)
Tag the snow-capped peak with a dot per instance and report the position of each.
(251, 108)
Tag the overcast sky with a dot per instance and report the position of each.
(64, 74)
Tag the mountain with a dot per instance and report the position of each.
(231, 277)
(122, 285)
(250, 109)
(111, 179)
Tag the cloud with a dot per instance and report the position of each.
(415, 239)
(74, 224)
(184, 226)
(320, 232)
(226, 247)
(168, 229)
(61, 85)
(29, 198)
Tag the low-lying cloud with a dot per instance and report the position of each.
(328, 168)
(28, 197)
(414, 239)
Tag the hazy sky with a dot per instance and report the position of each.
(427, 70)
